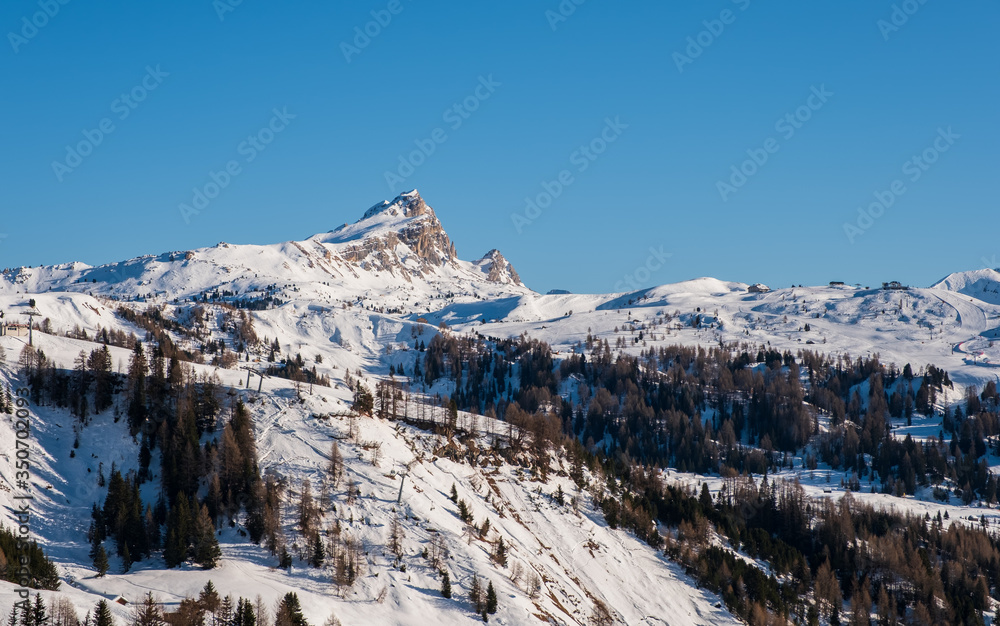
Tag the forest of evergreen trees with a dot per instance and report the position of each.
(209, 608)
(205, 449)
(737, 411)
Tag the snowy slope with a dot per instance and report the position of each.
(981, 284)
(577, 556)
(361, 296)
(397, 251)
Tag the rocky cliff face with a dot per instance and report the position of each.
(498, 269)
(403, 236)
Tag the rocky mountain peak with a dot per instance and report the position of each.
(408, 204)
(498, 269)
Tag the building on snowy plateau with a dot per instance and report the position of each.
(13, 330)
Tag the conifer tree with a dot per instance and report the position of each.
(445, 584)
(364, 402)
(289, 612)
(206, 547)
(244, 615)
(476, 593)
(209, 599)
(39, 616)
(101, 561)
(137, 370)
(148, 612)
(102, 614)
(491, 599)
(318, 554)
(500, 553)
(224, 616)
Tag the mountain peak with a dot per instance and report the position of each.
(401, 235)
(983, 284)
(498, 269)
(408, 204)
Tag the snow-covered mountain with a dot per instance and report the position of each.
(981, 284)
(397, 251)
(355, 301)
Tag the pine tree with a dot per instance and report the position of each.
(491, 599)
(363, 401)
(101, 561)
(500, 553)
(39, 616)
(445, 584)
(705, 498)
(179, 523)
(102, 614)
(224, 616)
(206, 548)
(209, 598)
(476, 593)
(318, 554)
(137, 370)
(244, 615)
(454, 493)
(100, 365)
(290, 612)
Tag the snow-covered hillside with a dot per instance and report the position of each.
(981, 284)
(576, 557)
(356, 302)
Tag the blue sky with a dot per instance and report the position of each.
(663, 119)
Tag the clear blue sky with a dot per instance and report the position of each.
(656, 185)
